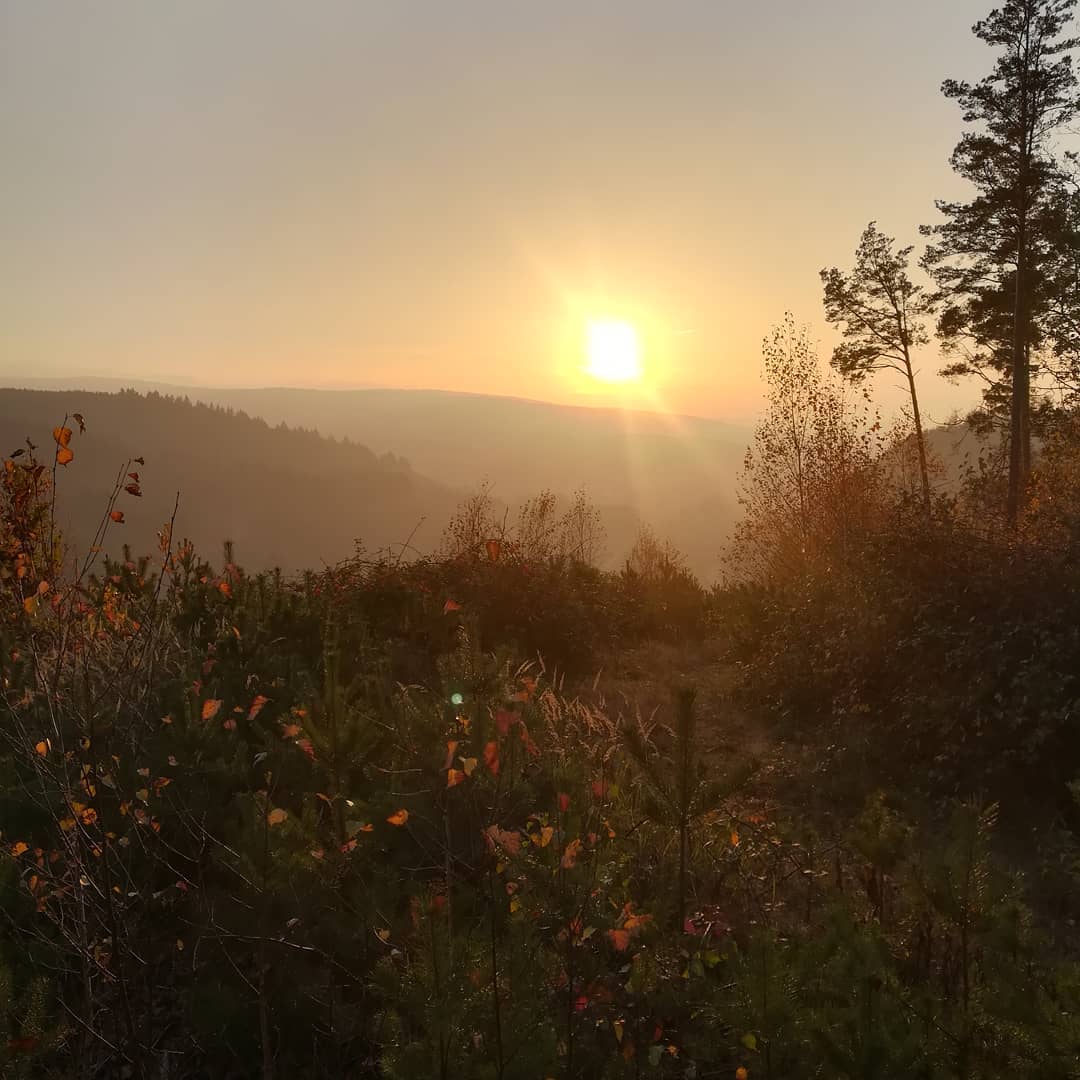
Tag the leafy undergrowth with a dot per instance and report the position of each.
(334, 827)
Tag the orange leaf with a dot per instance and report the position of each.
(89, 816)
(454, 777)
(546, 833)
(734, 838)
(305, 745)
(62, 435)
(451, 749)
(256, 706)
(42, 747)
(450, 605)
(620, 939)
(570, 854)
(211, 707)
(469, 765)
(117, 516)
(290, 731)
(276, 816)
(742, 1073)
(64, 456)
(493, 549)
(19, 847)
(399, 817)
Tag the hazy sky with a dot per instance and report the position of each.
(438, 194)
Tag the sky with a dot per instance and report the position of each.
(442, 194)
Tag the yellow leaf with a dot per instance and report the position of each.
(383, 935)
(19, 847)
(468, 764)
(546, 833)
(277, 816)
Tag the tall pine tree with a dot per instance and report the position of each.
(990, 254)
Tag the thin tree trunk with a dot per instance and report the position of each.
(920, 439)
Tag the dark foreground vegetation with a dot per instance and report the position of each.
(405, 817)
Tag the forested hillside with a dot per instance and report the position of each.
(284, 497)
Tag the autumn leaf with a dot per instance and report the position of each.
(508, 840)
(742, 1073)
(64, 456)
(305, 745)
(290, 731)
(503, 719)
(454, 777)
(451, 750)
(225, 589)
(545, 835)
(734, 838)
(599, 789)
(19, 847)
(491, 758)
(62, 435)
(133, 489)
(399, 817)
(276, 816)
(89, 816)
(383, 935)
(211, 707)
(620, 939)
(42, 748)
(493, 549)
(564, 802)
(570, 854)
(78, 418)
(450, 605)
(469, 765)
(117, 516)
(257, 706)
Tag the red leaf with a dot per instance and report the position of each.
(211, 707)
(450, 605)
(133, 489)
(257, 706)
(620, 939)
(564, 802)
(503, 719)
(491, 758)
(117, 516)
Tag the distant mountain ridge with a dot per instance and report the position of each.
(677, 473)
(284, 496)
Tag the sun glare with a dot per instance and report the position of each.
(613, 351)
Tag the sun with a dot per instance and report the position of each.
(613, 351)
